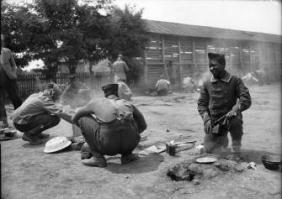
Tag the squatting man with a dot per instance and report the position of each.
(38, 113)
(110, 126)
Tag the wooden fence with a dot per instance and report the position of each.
(31, 83)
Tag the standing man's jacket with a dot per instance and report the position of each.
(219, 96)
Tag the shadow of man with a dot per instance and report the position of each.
(144, 164)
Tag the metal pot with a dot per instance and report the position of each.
(271, 162)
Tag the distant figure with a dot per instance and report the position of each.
(260, 74)
(250, 79)
(171, 73)
(222, 100)
(162, 86)
(76, 93)
(188, 84)
(8, 82)
(120, 69)
(38, 113)
(124, 92)
(110, 126)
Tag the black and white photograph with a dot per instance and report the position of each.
(140, 99)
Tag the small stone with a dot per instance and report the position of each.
(239, 168)
(225, 165)
(210, 173)
(167, 130)
(196, 181)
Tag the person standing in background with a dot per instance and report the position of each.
(8, 82)
(120, 69)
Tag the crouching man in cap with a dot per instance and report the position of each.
(110, 126)
(38, 113)
(162, 86)
(222, 100)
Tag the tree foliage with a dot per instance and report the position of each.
(64, 30)
(129, 32)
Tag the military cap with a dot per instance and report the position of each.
(110, 89)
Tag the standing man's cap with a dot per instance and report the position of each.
(110, 89)
(219, 57)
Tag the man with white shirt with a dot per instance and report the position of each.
(110, 126)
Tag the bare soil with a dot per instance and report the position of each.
(29, 173)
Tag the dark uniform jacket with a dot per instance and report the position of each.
(218, 96)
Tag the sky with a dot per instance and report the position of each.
(250, 15)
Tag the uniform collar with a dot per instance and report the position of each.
(225, 78)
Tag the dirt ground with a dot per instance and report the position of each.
(29, 173)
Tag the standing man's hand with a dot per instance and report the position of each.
(208, 127)
(234, 111)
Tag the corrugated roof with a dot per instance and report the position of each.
(168, 28)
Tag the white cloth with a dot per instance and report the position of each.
(162, 84)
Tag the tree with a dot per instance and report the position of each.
(96, 31)
(64, 30)
(56, 31)
(128, 32)
(129, 37)
(16, 36)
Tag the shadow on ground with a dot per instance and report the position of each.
(142, 165)
(253, 155)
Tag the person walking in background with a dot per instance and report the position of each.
(222, 100)
(8, 82)
(120, 69)
(110, 126)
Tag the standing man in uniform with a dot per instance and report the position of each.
(8, 82)
(222, 100)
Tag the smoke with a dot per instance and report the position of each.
(243, 57)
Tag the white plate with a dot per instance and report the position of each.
(204, 160)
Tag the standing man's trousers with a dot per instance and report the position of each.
(213, 141)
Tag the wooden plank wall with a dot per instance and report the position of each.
(178, 57)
